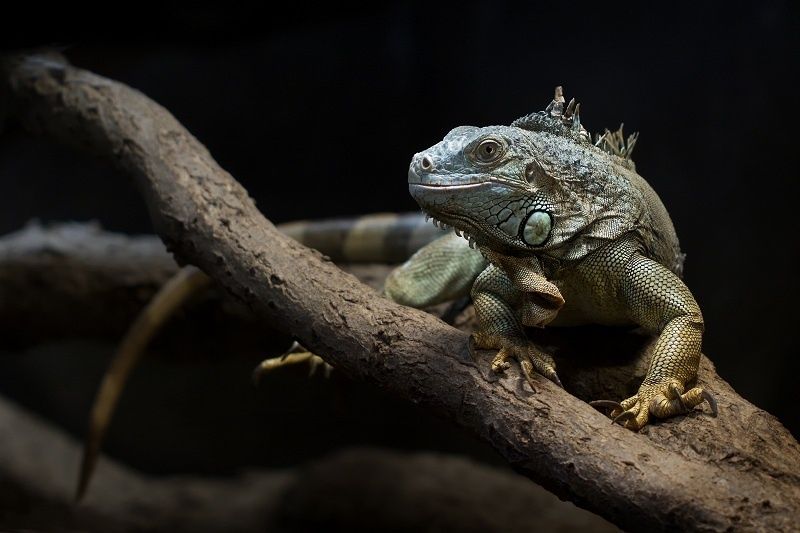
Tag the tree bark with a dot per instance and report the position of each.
(738, 471)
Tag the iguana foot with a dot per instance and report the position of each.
(529, 359)
(295, 355)
(661, 400)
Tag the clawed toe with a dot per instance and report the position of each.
(288, 358)
(527, 371)
(712, 402)
(530, 361)
(659, 400)
(676, 395)
(663, 406)
(624, 417)
(608, 404)
(500, 362)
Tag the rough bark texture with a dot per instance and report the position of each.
(738, 471)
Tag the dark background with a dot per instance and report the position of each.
(318, 111)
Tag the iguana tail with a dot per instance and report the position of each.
(378, 238)
(187, 282)
(383, 237)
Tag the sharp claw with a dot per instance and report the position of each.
(673, 389)
(624, 417)
(295, 347)
(712, 402)
(527, 371)
(607, 403)
(546, 369)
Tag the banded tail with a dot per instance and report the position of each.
(378, 238)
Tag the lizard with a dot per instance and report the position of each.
(572, 235)
(548, 228)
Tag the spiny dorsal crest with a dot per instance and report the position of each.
(614, 142)
(557, 120)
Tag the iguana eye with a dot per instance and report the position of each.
(489, 150)
(536, 228)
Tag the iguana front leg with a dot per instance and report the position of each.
(501, 310)
(440, 271)
(658, 300)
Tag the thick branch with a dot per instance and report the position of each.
(695, 472)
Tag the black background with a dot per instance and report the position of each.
(317, 113)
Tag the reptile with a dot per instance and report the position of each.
(549, 227)
(573, 235)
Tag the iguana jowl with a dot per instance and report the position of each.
(572, 234)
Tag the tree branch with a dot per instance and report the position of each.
(739, 470)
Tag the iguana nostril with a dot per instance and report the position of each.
(426, 163)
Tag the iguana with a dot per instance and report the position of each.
(549, 228)
(573, 235)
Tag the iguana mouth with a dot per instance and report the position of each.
(447, 185)
(459, 230)
(421, 184)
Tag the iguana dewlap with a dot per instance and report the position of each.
(572, 235)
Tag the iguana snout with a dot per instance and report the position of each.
(475, 180)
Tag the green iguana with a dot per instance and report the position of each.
(549, 228)
(573, 236)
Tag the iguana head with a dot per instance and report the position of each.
(536, 186)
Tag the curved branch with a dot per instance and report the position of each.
(739, 470)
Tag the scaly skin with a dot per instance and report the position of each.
(573, 235)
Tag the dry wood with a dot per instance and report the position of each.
(738, 471)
